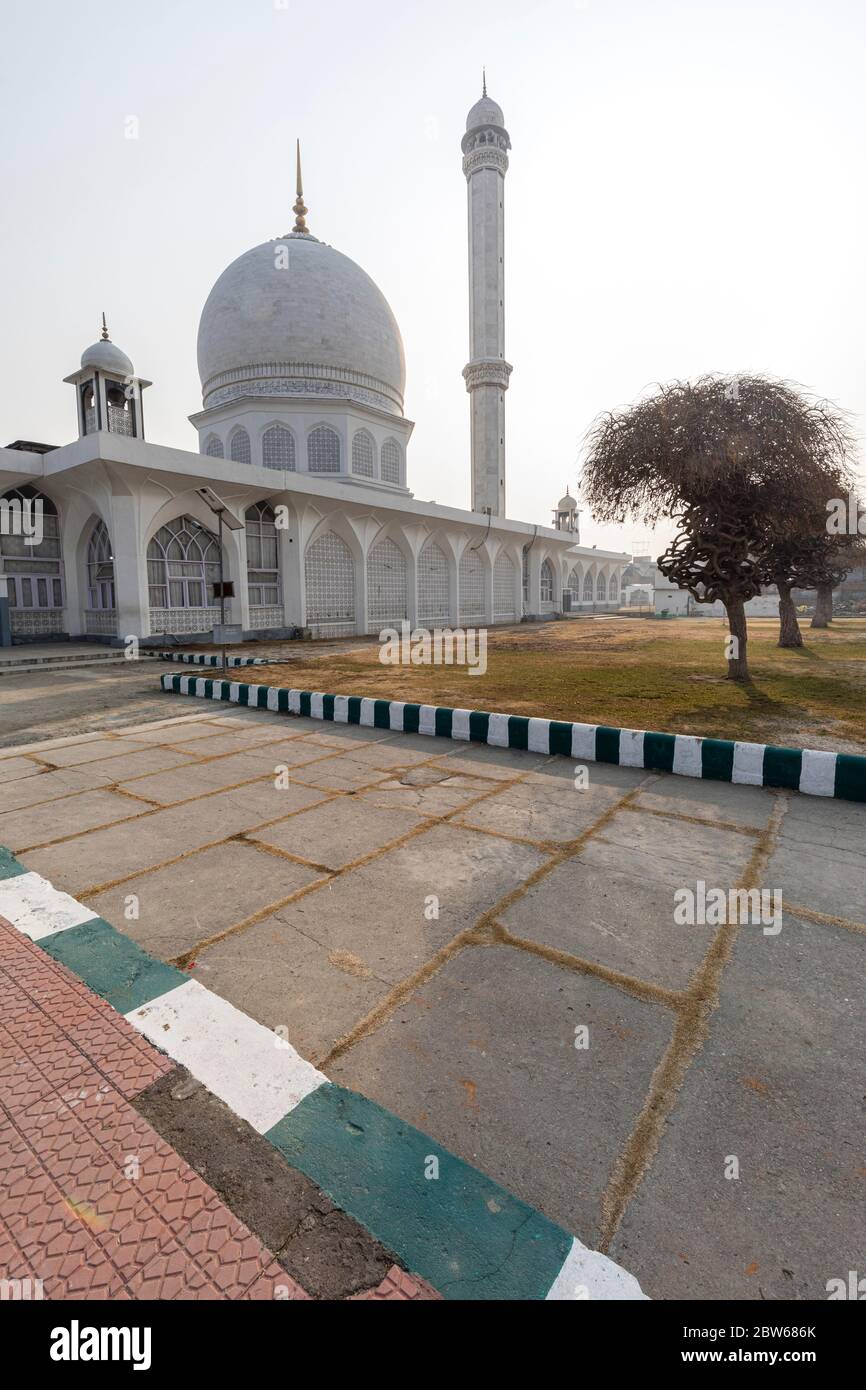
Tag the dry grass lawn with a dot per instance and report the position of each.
(666, 675)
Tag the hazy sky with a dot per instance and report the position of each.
(685, 194)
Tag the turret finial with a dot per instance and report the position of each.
(299, 209)
(484, 82)
(105, 337)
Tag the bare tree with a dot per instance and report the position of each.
(839, 555)
(730, 458)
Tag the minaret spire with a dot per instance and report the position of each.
(485, 164)
(299, 209)
(105, 337)
(484, 82)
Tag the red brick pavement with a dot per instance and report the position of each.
(92, 1201)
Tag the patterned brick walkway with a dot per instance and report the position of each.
(93, 1203)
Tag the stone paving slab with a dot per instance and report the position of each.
(155, 838)
(169, 911)
(377, 913)
(510, 1089)
(276, 972)
(49, 786)
(612, 919)
(819, 860)
(333, 834)
(778, 1087)
(50, 820)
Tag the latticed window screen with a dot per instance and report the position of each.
(364, 454)
(182, 561)
(471, 586)
(214, 447)
(613, 587)
(386, 586)
(263, 556)
(574, 584)
(323, 450)
(391, 459)
(601, 587)
(546, 582)
(503, 585)
(239, 447)
(278, 448)
(330, 575)
(37, 569)
(434, 602)
(587, 588)
(100, 568)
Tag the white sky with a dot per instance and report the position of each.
(685, 194)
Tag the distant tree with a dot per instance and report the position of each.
(732, 459)
(840, 555)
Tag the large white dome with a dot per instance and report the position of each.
(318, 326)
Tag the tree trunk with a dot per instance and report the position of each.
(738, 665)
(823, 606)
(789, 629)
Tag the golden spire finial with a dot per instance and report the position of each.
(105, 338)
(299, 209)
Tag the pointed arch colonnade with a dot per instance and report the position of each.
(117, 561)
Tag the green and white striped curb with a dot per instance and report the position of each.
(213, 659)
(462, 1232)
(840, 775)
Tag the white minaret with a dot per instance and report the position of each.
(485, 164)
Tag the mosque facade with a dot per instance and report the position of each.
(303, 438)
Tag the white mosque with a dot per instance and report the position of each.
(302, 435)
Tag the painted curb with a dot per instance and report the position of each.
(461, 1232)
(213, 659)
(841, 775)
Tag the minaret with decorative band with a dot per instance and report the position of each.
(485, 164)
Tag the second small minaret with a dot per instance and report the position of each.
(485, 164)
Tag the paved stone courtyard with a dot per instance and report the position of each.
(443, 926)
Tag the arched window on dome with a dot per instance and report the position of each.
(263, 556)
(323, 450)
(278, 448)
(546, 582)
(588, 590)
(100, 569)
(34, 572)
(239, 447)
(601, 588)
(182, 562)
(392, 457)
(364, 454)
(214, 447)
